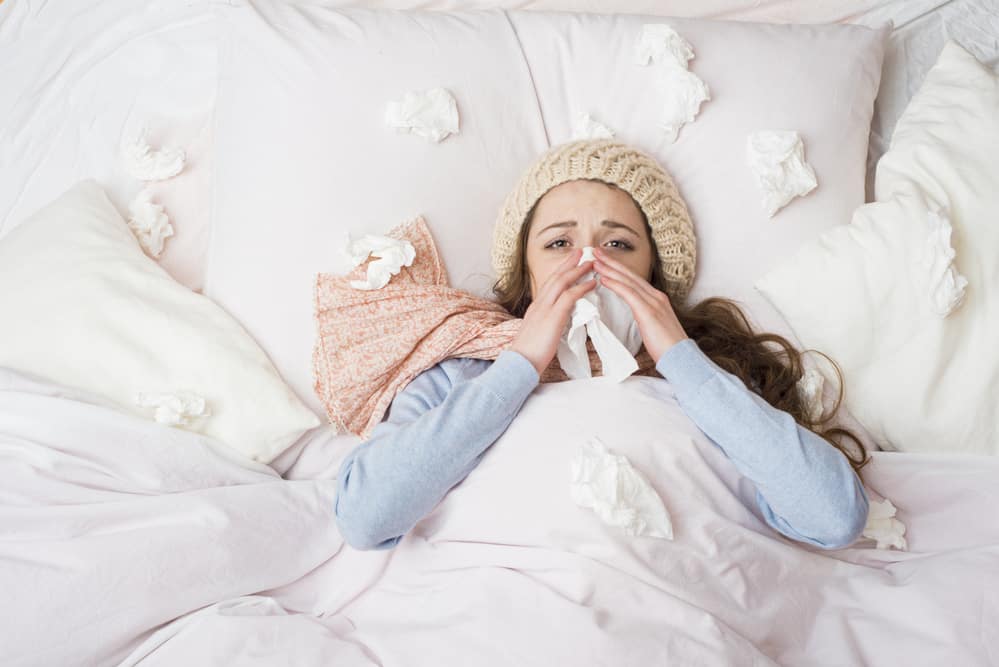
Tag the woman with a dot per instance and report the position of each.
(618, 200)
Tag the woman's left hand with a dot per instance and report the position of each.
(652, 309)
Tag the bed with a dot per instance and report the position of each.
(154, 529)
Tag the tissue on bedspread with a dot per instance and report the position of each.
(177, 409)
(946, 286)
(149, 222)
(777, 158)
(682, 90)
(609, 485)
(660, 43)
(431, 113)
(147, 164)
(586, 127)
(883, 527)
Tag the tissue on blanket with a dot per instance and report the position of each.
(660, 43)
(429, 113)
(684, 92)
(608, 321)
(810, 390)
(946, 285)
(586, 127)
(149, 223)
(178, 409)
(147, 164)
(777, 158)
(392, 254)
(609, 485)
(884, 527)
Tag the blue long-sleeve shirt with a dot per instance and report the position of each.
(442, 423)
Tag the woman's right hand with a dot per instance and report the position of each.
(550, 309)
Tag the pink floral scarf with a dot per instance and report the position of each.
(371, 343)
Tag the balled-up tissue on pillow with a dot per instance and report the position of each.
(777, 158)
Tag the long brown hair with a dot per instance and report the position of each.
(723, 333)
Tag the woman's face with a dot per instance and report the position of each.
(583, 213)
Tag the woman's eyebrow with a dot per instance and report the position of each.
(572, 223)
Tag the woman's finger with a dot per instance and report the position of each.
(640, 307)
(564, 279)
(632, 281)
(626, 274)
(570, 260)
(574, 293)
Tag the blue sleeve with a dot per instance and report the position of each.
(436, 432)
(806, 488)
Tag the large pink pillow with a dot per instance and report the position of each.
(302, 153)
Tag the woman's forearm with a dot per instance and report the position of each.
(807, 489)
(434, 436)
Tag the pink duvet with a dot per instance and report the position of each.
(125, 542)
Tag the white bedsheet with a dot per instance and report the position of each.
(113, 527)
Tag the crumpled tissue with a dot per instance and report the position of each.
(429, 113)
(946, 285)
(392, 254)
(884, 527)
(607, 320)
(810, 390)
(659, 42)
(178, 409)
(146, 164)
(682, 90)
(149, 223)
(586, 127)
(777, 158)
(609, 485)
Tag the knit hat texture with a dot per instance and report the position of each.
(617, 163)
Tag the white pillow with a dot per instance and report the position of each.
(84, 307)
(302, 152)
(918, 381)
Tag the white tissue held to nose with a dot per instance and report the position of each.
(606, 319)
(432, 114)
(777, 160)
(609, 485)
(145, 163)
(391, 255)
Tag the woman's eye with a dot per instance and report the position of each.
(624, 244)
(552, 244)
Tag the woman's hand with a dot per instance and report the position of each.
(548, 314)
(653, 312)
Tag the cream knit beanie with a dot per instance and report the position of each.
(619, 164)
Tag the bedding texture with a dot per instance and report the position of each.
(906, 297)
(118, 549)
(85, 307)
